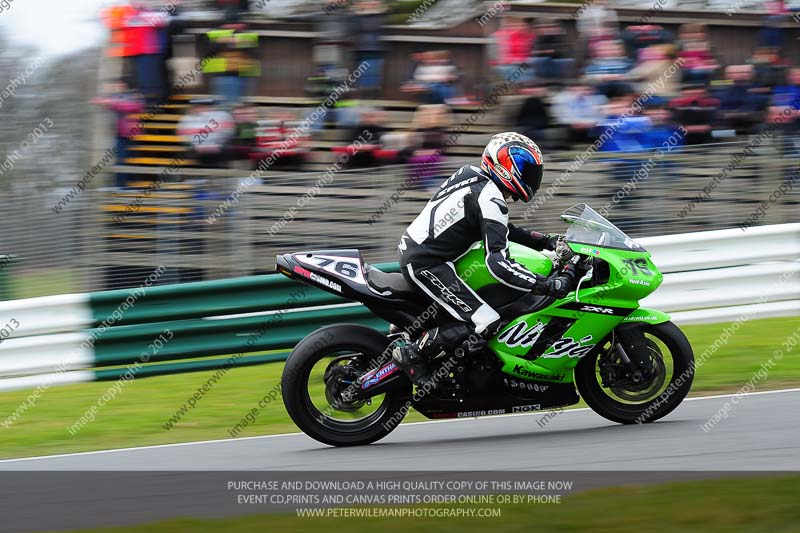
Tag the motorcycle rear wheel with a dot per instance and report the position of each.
(341, 423)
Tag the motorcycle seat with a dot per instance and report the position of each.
(391, 282)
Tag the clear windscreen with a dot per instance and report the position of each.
(587, 226)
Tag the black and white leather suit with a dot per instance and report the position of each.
(467, 208)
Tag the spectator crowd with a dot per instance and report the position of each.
(576, 90)
(570, 90)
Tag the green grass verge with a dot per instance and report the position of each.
(136, 416)
(742, 505)
(44, 282)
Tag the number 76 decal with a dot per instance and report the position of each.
(638, 266)
(348, 267)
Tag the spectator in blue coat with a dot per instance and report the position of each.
(743, 105)
(369, 49)
(608, 71)
(785, 106)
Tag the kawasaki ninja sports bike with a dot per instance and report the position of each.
(628, 363)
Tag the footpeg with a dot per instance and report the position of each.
(410, 362)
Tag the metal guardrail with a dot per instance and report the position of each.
(239, 322)
(725, 275)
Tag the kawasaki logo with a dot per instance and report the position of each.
(525, 373)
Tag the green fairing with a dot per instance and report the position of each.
(648, 316)
(631, 277)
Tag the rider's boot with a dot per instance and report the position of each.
(408, 357)
(415, 358)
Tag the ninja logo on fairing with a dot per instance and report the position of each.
(570, 348)
(519, 336)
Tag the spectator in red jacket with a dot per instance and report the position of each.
(513, 43)
(147, 46)
(697, 62)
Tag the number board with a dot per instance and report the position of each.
(344, 267)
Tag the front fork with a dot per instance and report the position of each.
(630, 347)
(633, 371)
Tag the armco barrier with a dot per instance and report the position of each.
(187, 339)
(709, 277)
(75, 312)
(719, 276)
(206, 298)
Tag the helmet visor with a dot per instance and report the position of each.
(532, 175)
(528, 170)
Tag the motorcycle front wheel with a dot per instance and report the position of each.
(652, 397)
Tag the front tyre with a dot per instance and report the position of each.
(621, 400)
(316, 378)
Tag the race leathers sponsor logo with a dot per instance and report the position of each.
(518, 335)
(444, 192)
(522, 371)
(379, 376)
(446, 293)
(316, 278)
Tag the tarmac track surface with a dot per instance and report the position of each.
(761, 432)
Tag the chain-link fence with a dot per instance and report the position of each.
(218, 227)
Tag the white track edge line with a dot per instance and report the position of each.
(215, 441)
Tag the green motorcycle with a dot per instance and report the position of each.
(629, 364)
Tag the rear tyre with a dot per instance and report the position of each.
(641, 405)
(342, 351)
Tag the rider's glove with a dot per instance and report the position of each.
(570, 270)
(560, 285)
(553, 240)
(549, 241)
